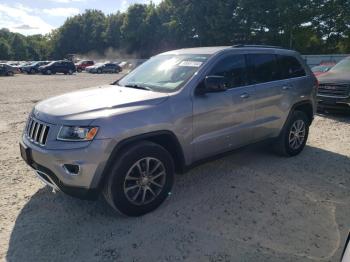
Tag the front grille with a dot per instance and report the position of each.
(334, 90)
(37, 132)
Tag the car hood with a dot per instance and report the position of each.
(334, 78)
(90, 104)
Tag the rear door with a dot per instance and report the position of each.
(269, 94)
(223, 120)
(106, 68)
(274, 92)
(58, 67)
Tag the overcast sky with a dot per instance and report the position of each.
(41, 16)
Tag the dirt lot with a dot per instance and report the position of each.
(248, 206)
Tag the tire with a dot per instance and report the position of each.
(10, 73)
(288, 144)
(125, 186)
(48, 72)
(99, 71)
(70, 72)
(79, 70)
(32, 71)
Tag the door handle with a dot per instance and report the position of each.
(286, 88)
(245, 95)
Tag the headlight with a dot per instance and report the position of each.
(76, 133)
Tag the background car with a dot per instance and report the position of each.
(334, 87)
(7, 70)
(81, 65)
(104, 68)
(33, 68)
(63, 66)
(321, 69)
(20, 65)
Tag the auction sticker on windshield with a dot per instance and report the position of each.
(191, 63)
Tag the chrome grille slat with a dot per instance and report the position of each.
(33, 130)
(37, 132)
(41, 140)
(334, 90)
(29, 124)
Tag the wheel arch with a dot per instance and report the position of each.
(303, 106)
(306, 107)
(166, 139)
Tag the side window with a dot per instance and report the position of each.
(290, 67)
(233, 68)
(262, 68)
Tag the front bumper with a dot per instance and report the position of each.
(49, 165)
(333, 102)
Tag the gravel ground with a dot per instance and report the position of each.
(248, 206)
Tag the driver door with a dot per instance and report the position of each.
(223, 120)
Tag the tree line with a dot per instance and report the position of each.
(309, 26)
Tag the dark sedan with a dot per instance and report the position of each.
(104, 68)
(334, 87)
(34, 67)
(7, 70)
(63, 66)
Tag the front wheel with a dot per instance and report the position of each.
(293, 137)
(140, 180)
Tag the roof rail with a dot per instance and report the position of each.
(257, 46)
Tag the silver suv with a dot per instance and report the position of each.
(126, 140)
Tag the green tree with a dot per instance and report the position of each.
(19, 47)
(113, 33)
(5, 50)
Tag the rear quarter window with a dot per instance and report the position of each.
(289, 67)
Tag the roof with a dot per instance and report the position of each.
(215, 49)
(199, 50)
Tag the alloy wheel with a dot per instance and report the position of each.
(297, 134)
(144, 181)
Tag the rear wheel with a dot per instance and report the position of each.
(70, 71)
(79, 70)
(140, 180)
(10, 73)
(293, 137)
(99, 71)
(48, 72)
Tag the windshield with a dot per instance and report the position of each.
(342, 66)
(164, 73)
(320, 68)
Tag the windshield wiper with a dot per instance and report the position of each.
(139, 87)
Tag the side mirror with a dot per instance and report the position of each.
(213, 84)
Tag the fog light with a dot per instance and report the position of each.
(72, 169)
